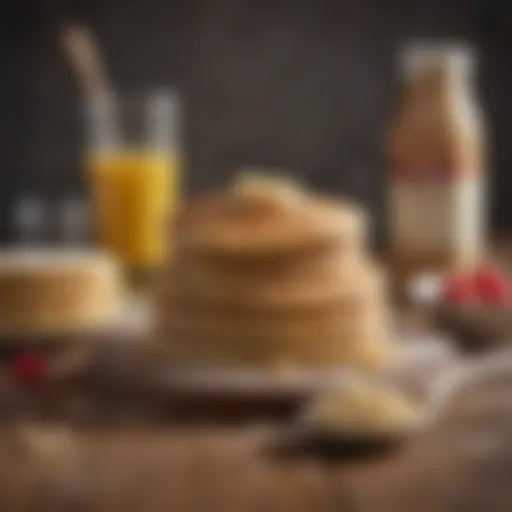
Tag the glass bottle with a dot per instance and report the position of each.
(436, 161)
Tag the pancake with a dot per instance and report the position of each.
(312, 338)
(311, 284)
(52, 291)
(312, 325)
(232, 225)
(198, 350)
(266, 274)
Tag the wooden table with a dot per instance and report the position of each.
(193, 469)
(127, 452)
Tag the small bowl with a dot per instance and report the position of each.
(475, 328)
(335, 440)
(339, 443)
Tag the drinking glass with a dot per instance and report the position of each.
(29, 221)
(133, 164)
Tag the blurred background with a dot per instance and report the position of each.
(301, 84)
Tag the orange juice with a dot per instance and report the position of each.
(133, 192)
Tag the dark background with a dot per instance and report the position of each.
(306, 85)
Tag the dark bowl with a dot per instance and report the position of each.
(332, 445)
(475, 328)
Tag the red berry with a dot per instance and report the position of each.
(29, 368)
(492, 287)
(460, 290)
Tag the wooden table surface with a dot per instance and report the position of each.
(107, 443)
(150, 463)
(193, 469)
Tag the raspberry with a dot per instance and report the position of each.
(29, 368)
(460, 291)
(492, 287)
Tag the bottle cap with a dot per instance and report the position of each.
(416, 57)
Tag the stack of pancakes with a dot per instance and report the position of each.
(266, 274)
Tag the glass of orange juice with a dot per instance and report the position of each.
(133, 167)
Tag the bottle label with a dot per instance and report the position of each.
(432, 213)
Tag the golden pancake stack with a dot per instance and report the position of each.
(54, 291)
(265, 274)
